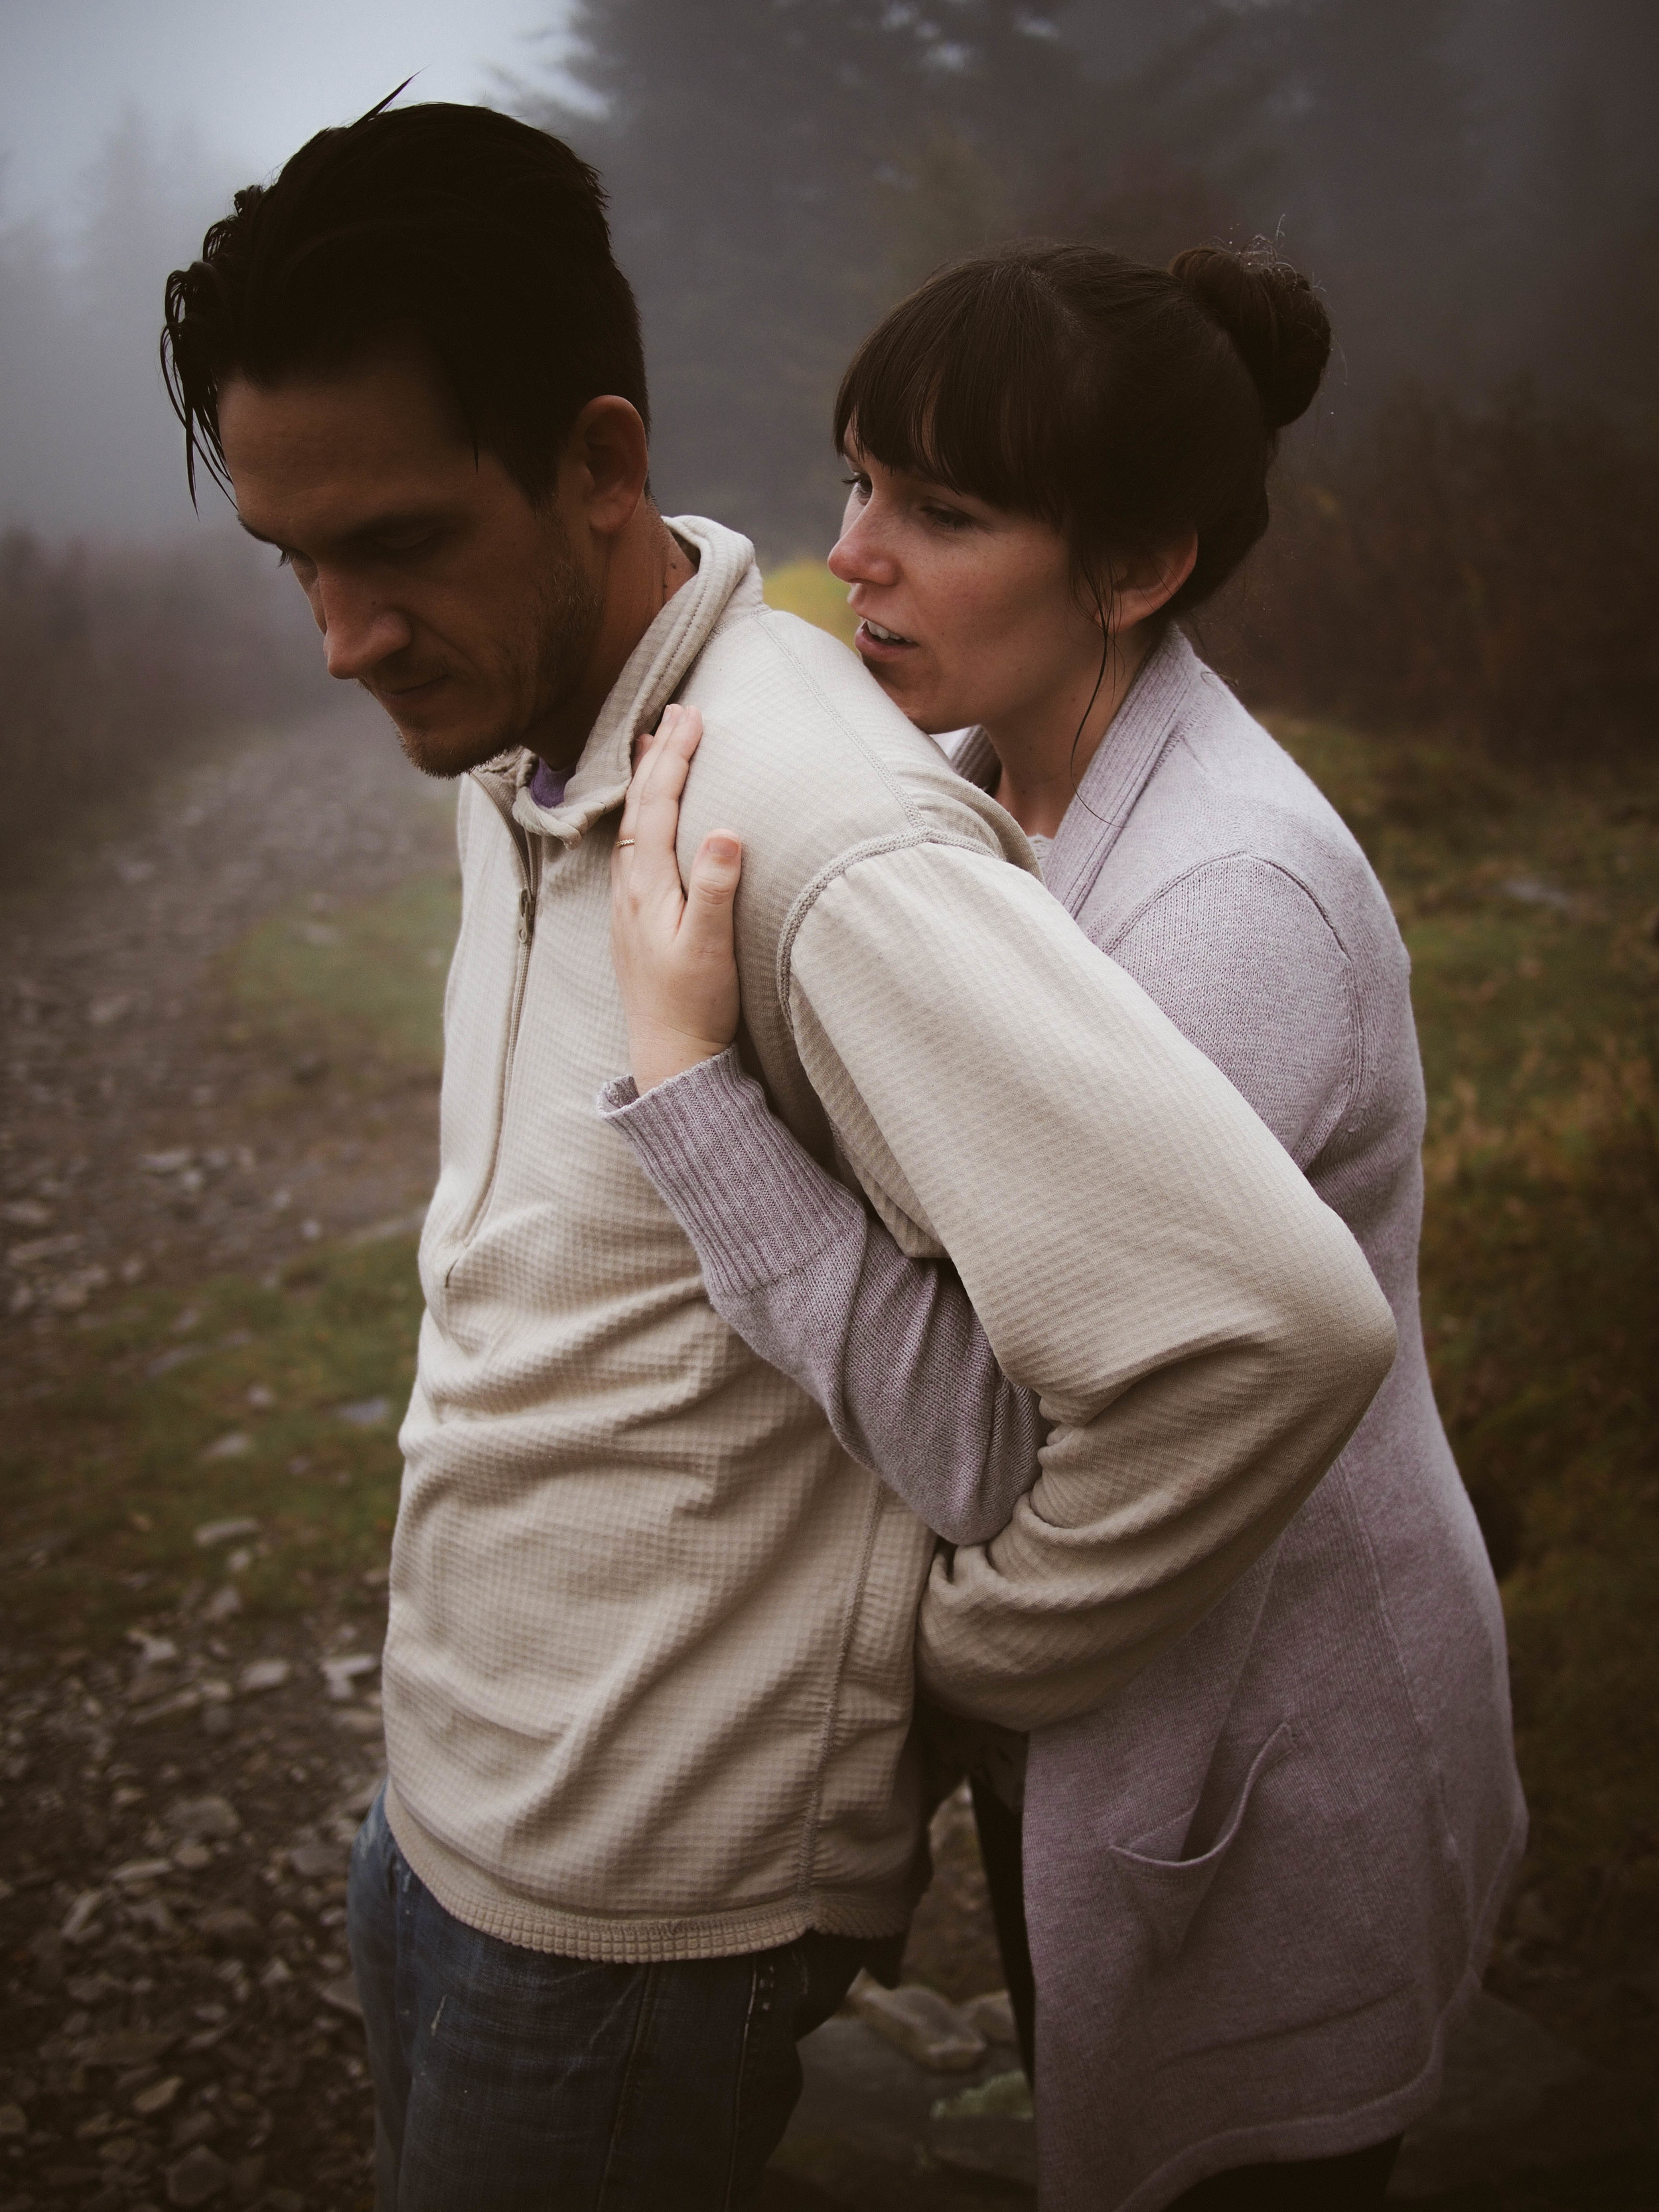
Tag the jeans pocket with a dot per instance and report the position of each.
(1167, 1892)
(768, 2079)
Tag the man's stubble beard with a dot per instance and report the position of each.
(542, 662)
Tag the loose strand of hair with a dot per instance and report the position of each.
(1105, 654)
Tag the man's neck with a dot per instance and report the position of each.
(647, 566)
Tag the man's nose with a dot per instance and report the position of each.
(360, 631)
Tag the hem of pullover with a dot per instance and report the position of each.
(473, 1897)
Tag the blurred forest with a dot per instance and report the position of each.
(1467, 524)
(130, 629)
(1467, 533)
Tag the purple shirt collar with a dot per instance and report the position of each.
(547, 785)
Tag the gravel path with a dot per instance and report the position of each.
(177, 2027)
(143, 1134)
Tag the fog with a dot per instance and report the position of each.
(1473, 183)
(125, 126)
(226, 901)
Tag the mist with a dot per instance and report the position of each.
(124, 133)
(1474, 183)
(88, 444)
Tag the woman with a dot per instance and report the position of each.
(1260, 1883)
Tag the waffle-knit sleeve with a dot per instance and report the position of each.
(1202, 1331)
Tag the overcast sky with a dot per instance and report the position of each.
(249, 79)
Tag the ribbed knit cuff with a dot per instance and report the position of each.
(755, 1205)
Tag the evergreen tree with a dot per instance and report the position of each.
(780, 170)
(1473, 183)
(1341, 128)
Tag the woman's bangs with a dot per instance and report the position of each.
(947, 389)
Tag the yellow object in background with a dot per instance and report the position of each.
(807, 589)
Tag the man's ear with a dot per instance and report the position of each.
(607, 454)
(1152, 582)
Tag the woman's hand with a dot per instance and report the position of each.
(672, 949)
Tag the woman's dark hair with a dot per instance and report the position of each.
(1122, 404)
(482, 239)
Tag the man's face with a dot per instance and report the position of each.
(464, 608)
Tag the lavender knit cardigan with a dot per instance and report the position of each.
(1261, 1881)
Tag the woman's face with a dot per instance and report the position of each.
(966, 613)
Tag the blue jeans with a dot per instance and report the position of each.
(507, 2079)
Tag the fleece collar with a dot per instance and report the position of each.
(653, 673)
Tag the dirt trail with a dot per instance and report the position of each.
(143, 1133)
(178, 2023)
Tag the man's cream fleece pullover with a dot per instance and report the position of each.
(648, 1670)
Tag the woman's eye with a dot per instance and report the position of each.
(948, 518)
(858, 483)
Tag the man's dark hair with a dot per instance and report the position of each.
(482, 239)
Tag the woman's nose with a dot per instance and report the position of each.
(860, 554)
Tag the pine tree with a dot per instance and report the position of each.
(780, 170)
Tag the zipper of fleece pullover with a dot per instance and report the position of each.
(527, 852)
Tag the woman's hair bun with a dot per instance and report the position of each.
(1272, 314)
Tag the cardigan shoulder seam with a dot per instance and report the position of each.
(1357, 1056)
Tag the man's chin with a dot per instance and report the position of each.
(447, 749)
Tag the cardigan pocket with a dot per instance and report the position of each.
(1167, 1892)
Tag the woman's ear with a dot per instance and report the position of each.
(1143, 586)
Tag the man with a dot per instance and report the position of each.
(648, 1671)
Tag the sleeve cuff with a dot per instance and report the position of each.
(755, 1205)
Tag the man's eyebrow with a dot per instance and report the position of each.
(377, 525)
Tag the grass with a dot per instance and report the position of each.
(109, 1470)
(278, 1401)
(807, 589)
(343, 979)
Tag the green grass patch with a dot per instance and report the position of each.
(1530, 910)
(323, 979)
(280, 1404)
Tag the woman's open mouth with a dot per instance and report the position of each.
(881, 644)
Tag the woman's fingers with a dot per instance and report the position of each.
(672, 949)
(646, 744)
(655, 871)
(705, 929)
(676, 967)
(662, 760)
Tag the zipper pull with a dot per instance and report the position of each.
(527, 914)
